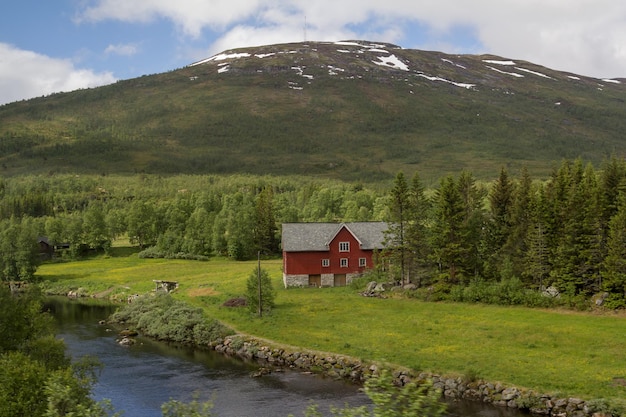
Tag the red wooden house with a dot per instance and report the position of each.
(329, 254)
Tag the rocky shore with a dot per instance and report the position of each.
(342, 367)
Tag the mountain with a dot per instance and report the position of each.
(354, 110)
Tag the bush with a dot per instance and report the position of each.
(508, 291)
(154, 253)
(163, 318)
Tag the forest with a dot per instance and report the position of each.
(459, 239)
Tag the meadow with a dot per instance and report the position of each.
(551, 351)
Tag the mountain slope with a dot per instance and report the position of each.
(352, 110)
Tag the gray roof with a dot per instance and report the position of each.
(301, 237)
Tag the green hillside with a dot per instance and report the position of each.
(352, 110)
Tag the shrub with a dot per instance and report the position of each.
(508, 291)
(161, 317)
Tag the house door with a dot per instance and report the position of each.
(340, 280)
(315, 280)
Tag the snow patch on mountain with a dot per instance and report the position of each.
(452, 63)
(431, 78)
(514, 74)
(392, 61)
(221, 57)
(496, 62)
(534, 73)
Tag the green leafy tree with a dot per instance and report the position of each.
(19, 251)
(194, 408)
(68, 392)
(259, 289)
(36, 377)
(198, 232)
(389, 400)
(95, 227)
(22, 382)
(144, 225)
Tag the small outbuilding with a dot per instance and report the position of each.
(329, 254)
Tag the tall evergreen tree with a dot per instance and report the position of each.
(416, 230)
(265, 229)
(472, 198)
(536, 260)
(449, 238)
(577, 257)
(499, 226)
(521, 222)
(399, 210)
(614, 268)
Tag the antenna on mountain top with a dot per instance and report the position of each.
(305, 28)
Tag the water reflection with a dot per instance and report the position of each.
(138, 379)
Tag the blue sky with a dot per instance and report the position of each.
(61, 45)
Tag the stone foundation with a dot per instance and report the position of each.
(302, 280)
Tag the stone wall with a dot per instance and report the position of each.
(342, 367)
(328, 280)
(301, 280)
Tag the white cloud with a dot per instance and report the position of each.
(26, 74)
(122, 49)
(583, 36)
(190, 16)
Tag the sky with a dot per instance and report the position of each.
(62, 45)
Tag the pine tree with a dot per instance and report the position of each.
(614, 268)
(498, 227)
(449, 234)
(399, 210)
(472, 198)
(416, 230)
(265, 229)
(577, 257)
(521, 222)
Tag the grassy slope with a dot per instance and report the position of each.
(557, 352)
(365, 124)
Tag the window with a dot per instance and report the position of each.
(326, 262)
(343, 262)
(344, 246)
(362, 262)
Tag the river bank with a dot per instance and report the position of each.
(551, 351)
(152, 308)
(341, 367)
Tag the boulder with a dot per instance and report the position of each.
(126, 341)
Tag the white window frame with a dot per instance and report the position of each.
(325, 263)
(362, 262)
(343, 262)
(344, 246)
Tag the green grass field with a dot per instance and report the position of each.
(557, 352)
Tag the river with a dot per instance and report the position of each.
(138, 379)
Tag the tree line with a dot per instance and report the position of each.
(566, 232)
